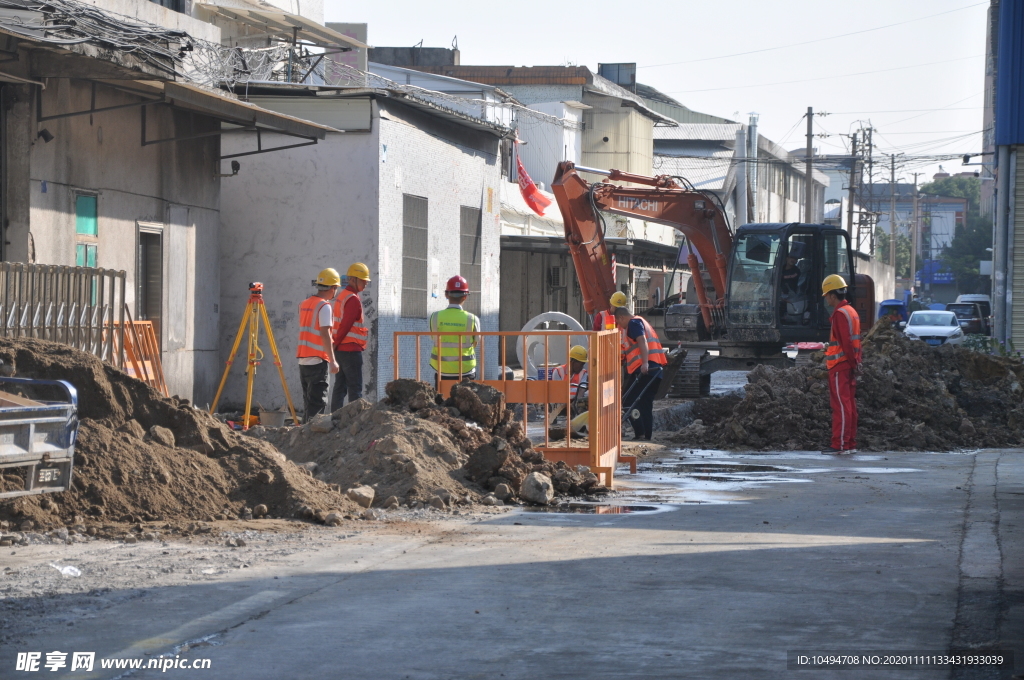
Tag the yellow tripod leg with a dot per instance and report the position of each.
(254, 330)
(277, 362)
(231, 360)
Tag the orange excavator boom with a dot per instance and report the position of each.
(660, 199)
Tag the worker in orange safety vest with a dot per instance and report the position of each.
(315, 351)
(644, 358)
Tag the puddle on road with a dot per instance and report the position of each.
(709, 477)
(592, 509)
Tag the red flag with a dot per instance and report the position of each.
(531, 194)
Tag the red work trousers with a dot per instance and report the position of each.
(842, 392)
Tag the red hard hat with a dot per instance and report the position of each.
(457, 284)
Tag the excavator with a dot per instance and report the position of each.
(753, 291)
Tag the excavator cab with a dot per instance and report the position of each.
(774, 279)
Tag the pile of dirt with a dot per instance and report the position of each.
(415, 448)
(143, 457)
(910, 397)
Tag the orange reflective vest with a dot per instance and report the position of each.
(310, 342)
(606, 319)
(655, 352)
(574, 383)
(357, 334)
(834, 350)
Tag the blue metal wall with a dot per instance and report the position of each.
(1010, 74)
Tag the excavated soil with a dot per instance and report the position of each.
(910, 396)
(418, 448)
(143, 457)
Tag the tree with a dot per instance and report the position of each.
(970, 240)
(902, 251)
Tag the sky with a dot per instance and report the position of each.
(912, 69)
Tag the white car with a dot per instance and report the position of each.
(935, 328)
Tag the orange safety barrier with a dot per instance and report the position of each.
(141, 353)
(601, 450)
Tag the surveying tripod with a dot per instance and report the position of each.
(255, 310)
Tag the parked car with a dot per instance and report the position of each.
(934, 327)
(985, 303)
(970, 316)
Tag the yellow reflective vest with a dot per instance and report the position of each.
(444, 357)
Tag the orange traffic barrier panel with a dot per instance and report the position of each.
(601, 450)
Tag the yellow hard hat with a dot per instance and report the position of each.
(618, 299)
(832, 282)
(328, 277)
(579, 353)
(358, 271)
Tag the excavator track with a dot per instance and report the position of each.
(688, 382)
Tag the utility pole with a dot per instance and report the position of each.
(809, 187)
(892, 217)
(752, 159)
(853, 190)
(871, 186)
(915, 225)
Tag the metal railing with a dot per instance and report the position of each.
(601, 450)
(79, 306)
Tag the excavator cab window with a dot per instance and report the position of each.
(835, 259)
(752, 289)
(797, 307)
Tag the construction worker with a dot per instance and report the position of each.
(577, 370)
(605, 319)
(645, 359)
(350, 336)
(842, 358)
(315, 352)
(445, 355)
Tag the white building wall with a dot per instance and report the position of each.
(451, 167)
(285, 216)
(291, 213)
(549, 142)
(170, 184)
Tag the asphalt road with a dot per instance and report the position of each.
(897, 553)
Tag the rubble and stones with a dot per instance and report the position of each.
(143, 457)
(910, 396)
(415, 449)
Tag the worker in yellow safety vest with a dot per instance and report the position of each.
(645, 357)
(605, 319)
(350, 335)
(315, 352)
(453, 356)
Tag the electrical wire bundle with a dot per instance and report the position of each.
(66, 22)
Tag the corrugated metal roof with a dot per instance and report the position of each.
(515, 75)
(699, 131)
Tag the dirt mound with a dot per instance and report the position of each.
(910, 397)
(416, 447)
(141, 456)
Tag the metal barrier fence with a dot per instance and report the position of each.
(79, 306)
(601, 449)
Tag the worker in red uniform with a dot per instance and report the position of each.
(605, 319)
(350, 335)
(842, 358)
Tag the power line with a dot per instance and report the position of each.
(962, 108)
(831, 77)
(816, 40)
